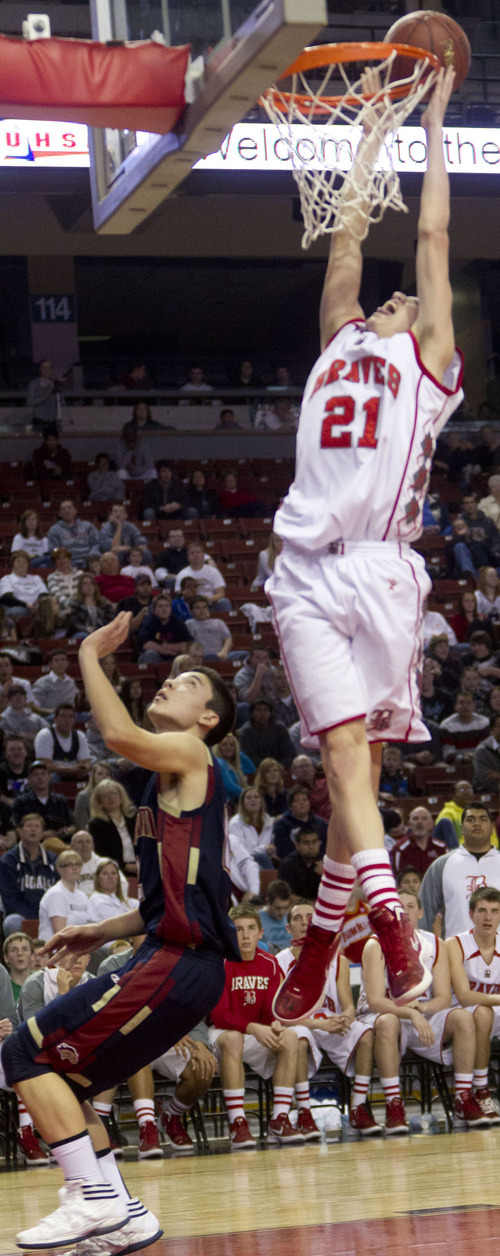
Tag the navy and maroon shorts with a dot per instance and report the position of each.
(104, 1031)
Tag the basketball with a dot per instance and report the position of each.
(436, 33)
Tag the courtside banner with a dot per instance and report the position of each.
(259, 146)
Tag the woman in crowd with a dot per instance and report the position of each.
(104, 484)
(136, 458)
(112, 824)
(254, 827)
(235, 767)
(201, 502)
(8, 630)
(63, 904)
(19, 591)
(488, 594)
(111, 670)
(185, 662)
(266, 561)
(270, 779)
(132, 698)
(30, 539)
(451, 668)
(100, 771)
(108, 898)
(467, 619)
(62, 583)
(89, 609)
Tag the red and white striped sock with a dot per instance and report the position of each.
(233, 1100)
(359, 1090)
(144, 1110)
(463, 1084)
(334, 892)
(175, 1108)
(282, 1096)
(302, 1096)
(24, 1115)
(376, 878)
(103, 1109)
(390, 1087)
(480, 1079)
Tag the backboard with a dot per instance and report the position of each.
(243, 48)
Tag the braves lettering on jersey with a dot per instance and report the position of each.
(369, 421)
(184, 888)
(483, 977)
(249, 991)
(331, 1004)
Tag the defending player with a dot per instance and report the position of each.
(475, 978)
(97, 1034)
(346, 1041)
(347, 591)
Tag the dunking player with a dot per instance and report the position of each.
(347, 591)
(93, 1037)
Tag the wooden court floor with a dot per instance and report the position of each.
(429, 1195)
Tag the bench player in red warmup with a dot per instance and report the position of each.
(347, 590)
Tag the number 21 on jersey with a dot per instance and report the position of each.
(341, 412)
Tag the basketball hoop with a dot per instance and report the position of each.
(321, 96)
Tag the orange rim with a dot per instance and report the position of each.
(334, 54)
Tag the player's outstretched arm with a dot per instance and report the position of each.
(340, 297)
(66, 945)
(178, 753)
(434, 326)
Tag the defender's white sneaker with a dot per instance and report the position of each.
(138, 1232)
(76, 1218)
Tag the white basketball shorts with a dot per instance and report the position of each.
(341, 1048)
(438, 1052)
(171, 1064)
(263, 1061)
(350, 630)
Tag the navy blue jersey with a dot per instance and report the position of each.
(184, 890)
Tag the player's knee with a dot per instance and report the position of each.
(462, 1023)
(483, 1018)
(291, 1042)
(387, 1027)
(345, 754)
(231, 1044)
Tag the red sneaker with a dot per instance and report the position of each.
(395, 1117)
(281, 1131)
(404, 953)
(30, 1149)
(149, 1142)
(176, 1133)
(240, 1134)
(487, 1106)
(361, 1119)
(302, 991)
(467, 1109)
(307, 1126)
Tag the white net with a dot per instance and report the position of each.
(323, 164)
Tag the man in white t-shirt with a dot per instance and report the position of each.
(64, 748)
(83, 843)
(451, 879)
(209, 580)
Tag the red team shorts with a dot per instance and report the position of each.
(349, 620)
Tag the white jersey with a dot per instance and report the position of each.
(331, 1004)
(483, 977)
(429, 956)
(370, 417)
(462, 874)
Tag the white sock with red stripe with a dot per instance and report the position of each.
(359, 1090)
(302, 1096)
(282, 1096)
(334, 892)
(175, 1108)
(376, 878)
(234, 1101)
(480, 1079)
(463, 1085)
(24, 1116)
(103, 1109)
(391, 1088)
(144, 1110)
